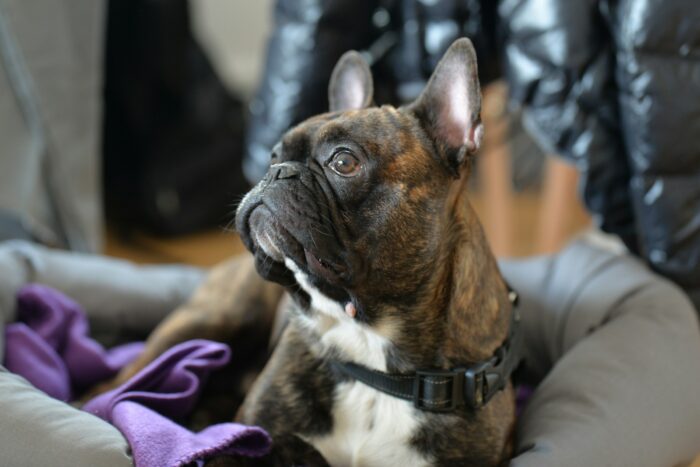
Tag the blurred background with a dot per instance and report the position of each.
(133, 127)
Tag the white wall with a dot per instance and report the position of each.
(234, 35)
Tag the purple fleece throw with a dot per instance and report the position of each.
(50, 347)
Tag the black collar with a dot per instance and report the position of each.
(447, 390)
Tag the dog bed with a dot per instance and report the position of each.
(612, 348)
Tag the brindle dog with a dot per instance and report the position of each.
(363, 217)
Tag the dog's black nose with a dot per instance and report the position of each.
(284, 170)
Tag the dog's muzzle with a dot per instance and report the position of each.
(291, 214)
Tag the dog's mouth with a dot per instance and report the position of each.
(331, 272)
(265, 235)
(272, 243)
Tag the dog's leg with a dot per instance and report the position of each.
(291, 397)
(233, 305)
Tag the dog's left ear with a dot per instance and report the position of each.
(351, 85)
(449, 107)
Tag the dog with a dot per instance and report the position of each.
(401, 334)
(363, 218)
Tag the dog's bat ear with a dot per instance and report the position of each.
(351, 85)
(449, 107)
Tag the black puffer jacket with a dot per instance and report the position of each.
(613, 86)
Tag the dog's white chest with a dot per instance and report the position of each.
(370, 428)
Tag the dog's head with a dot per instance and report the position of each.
(359, 200)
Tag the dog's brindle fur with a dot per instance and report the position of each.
(400, 244)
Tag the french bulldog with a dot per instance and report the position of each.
(363, 217)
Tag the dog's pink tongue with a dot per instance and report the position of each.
(350, 309)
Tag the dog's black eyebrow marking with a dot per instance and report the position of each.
(333, 131)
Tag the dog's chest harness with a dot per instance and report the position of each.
(434, 390)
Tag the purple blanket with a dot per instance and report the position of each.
(50, 347)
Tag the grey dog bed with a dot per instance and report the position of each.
(615, 351)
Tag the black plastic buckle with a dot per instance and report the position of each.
(484, 380)
(456, 395)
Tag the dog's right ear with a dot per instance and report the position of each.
(351, 85)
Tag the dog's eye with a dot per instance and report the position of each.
(345, 164)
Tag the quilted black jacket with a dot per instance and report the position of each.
(614, 86)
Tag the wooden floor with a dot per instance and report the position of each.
(200, 249)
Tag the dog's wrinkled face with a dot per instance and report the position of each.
(355, 198)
